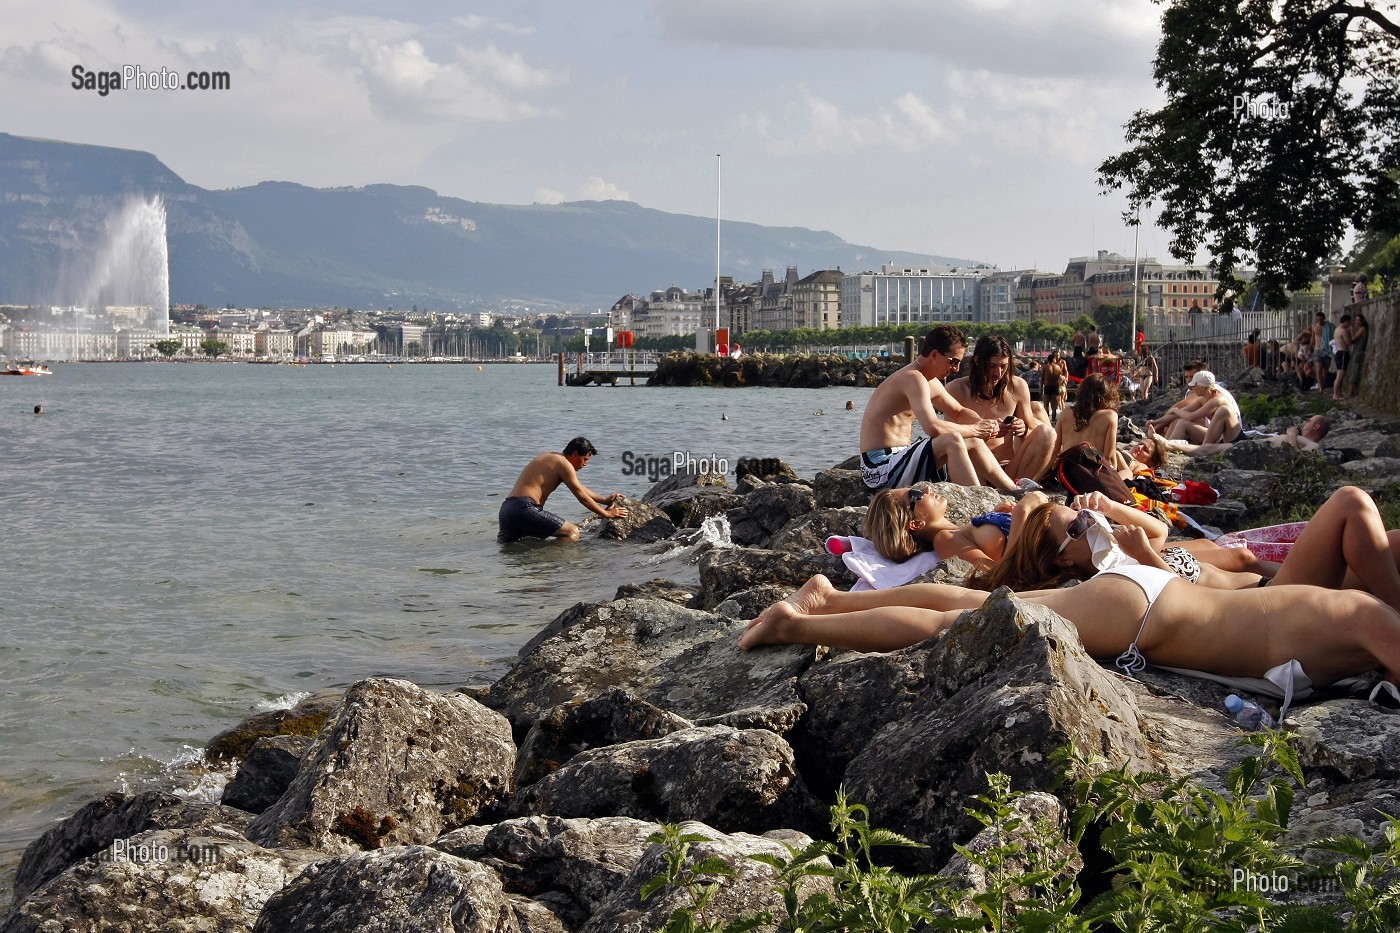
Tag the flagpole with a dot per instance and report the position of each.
(719, 179)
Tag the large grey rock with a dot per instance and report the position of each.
(572, 865)
(809, 532)
(1258, 455)
(751, 889)
(659, 588)
(1010, 683)
(611, 718)
(679, 496)
(772, 506)
(750, 782)
(1347, 741)
(1252, 487)
(966, 501)
(175, 881)
(1036, 829)
(99, 823)
(837, 488)
(764, 470)
(266, 773)
(1377, 468)
(401, 889)
(642, 523)
(307, 718)
(681, 660)
(397, 765)
(1389, 447)
(728, 571)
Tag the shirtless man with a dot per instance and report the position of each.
(1186, 406)
(888, 457)
(991, 390)
(523, 515)
(1215, 421)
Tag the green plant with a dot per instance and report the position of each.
(1299, 486)
(1261, 409)
(698, 879)
(1369, 878)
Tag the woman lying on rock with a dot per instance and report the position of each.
(1345, 545)
(903, 521)
(1134, 611)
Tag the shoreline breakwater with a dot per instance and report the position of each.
(528, 804)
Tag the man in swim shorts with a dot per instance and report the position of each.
(889, 456)
(523, 514)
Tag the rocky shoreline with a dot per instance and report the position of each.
(527, 805)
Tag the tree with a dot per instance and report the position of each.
(168, 347)
(213, 347)
(1280, 128)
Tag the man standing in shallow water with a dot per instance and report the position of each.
(888, 459)
(523, 514)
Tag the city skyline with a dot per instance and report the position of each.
(971, 130)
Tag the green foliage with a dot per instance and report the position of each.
(168, 347)
(213, 347)
(1261, 409)
(1277, 186)
(1299, 486)
(1183, 859)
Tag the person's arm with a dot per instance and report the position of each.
(1019, 512)
(590, 500)
(1126, 515)
(959, 420)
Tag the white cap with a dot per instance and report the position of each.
(1203, 379)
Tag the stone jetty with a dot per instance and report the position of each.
(527, 805)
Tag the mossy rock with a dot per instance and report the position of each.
(306, 718)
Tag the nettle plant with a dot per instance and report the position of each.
(1178, 856)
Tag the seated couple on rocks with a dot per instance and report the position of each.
(1331, 606)
(992, 433)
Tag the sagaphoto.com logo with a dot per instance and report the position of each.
(1256, 107)
(136, 78)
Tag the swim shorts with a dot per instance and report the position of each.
(523, 517)
(891, 467)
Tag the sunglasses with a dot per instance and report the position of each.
(954, 362)
(1083, 520)
(914, 496)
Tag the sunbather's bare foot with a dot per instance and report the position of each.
(768, 628)
(810, 598)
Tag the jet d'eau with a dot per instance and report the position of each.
(113, 299)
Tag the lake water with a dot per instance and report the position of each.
(189, 543)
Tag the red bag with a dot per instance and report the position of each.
(1192, 492)
(1083, 469)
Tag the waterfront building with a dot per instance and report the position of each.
(272, 342)
(909, 295)
(816, 300)
(997, 295)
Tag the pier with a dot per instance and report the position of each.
(582, 369)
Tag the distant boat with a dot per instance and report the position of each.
(26, 369)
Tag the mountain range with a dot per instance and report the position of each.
(280, 244)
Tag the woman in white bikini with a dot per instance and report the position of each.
(1133, 611)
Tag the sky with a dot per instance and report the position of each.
(963, 128)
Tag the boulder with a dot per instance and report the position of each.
(733, 570)
(746, 604)
(966, 501)
(401, 889)
(100, 823)
(1005, 686)
(752, 888)
(690, 498)
(1248, 486)
(659, 588)
(1374, 468)
(1258, 455)
(809, 532)
(571, 865)
(1389, 447)
(610, 718)
(750, 782)
(773, 506)
(767, 469)
(681, 660)
(642, 523)
(837, 488)
(172, 880)
(397, 765)
(306, 718)
(266, 773)
(1347, 741)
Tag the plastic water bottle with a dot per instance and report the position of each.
(1248, 714)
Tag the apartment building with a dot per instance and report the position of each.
(909, 295)
(816, 300)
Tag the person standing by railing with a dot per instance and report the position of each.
(1341, 339)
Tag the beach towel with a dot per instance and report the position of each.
(875, 572)
(1272, 542)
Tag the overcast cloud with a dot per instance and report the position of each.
(966, 128)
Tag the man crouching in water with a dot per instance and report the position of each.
(523, 514)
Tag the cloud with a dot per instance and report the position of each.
(1069, 37)
(596, 189)
(474, 23)
(548, 196)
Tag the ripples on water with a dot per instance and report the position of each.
(191, 542)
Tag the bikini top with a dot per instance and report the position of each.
(1001, 519)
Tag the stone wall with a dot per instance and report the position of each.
(1380, 379)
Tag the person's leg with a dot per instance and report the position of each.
(885, 629)
(1346, 533)
(1032, 453)
(950, 452)
(567, 532)
(1232, 559)
(819, 597)
(987, 467)
(1146, 386)
(1224, 427)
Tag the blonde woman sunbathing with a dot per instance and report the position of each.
(1134, 612)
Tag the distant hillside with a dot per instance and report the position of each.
(281, 244)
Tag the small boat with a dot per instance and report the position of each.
(26, 369)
